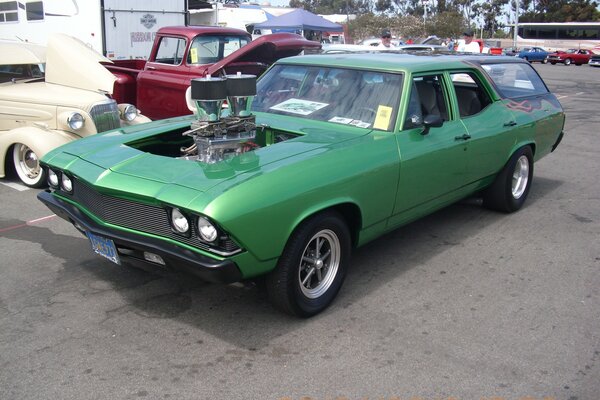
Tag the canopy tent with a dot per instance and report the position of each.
(300, 19)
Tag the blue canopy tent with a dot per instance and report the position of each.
(300, 19)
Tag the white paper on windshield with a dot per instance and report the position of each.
(341, 120)
(299, 106)
(360, 124)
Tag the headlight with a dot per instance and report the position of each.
(206, 230)
(128, 112)
(66, 184)
(179, 221)
(52, 178)
(75, 121)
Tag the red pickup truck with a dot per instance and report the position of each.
(181, 53)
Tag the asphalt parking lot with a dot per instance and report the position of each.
(464, 304)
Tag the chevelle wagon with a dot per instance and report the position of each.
(332, 152)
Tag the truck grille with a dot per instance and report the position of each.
(106, 116)
(141, 217)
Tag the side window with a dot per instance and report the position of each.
(427, 98)
(9, 11)
(470, 94)
(170, 50)
(35, 10)
(515, 80)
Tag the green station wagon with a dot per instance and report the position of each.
(323, 154)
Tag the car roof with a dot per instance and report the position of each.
(398, 62)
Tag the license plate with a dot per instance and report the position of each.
(104, 247)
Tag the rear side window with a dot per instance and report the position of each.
(515, 79)
(170, 50)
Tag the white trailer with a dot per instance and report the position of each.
(119, 29)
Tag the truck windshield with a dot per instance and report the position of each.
(210, 49)
(366, 99)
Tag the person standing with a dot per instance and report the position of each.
(468, 46)
(386, 39)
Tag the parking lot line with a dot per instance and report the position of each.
(16, 186)
(33, 221)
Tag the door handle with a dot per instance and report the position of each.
(465, 136)
(150, 67)
(511, 123)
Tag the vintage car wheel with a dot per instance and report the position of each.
(312, 268)
(553, 63)
(525, 58)
(568, 61)
(27, 166)
(511, 186)
(545, 61)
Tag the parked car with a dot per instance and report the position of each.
(510, 51)
(180, 53)
(50, 97)
(594, 61)
(336, 152)
(571, 56)
(532, 54)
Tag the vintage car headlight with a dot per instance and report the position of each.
(65, 183)
(52, 178)
(207, 231)
(75, 121)
(128, 112)
(179, 221)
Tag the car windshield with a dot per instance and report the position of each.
(366, 99)
(210, 49)
(572, 51)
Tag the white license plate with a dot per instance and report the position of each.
(104, 247)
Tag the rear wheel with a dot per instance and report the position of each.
(568, 61)
(525, 58)
(511, 187)
(27, 166)
(545, 61)
(313, 266)
(553, 63)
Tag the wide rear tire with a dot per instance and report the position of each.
(511, 187)
(312, 268)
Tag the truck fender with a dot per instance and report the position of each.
(41, 141)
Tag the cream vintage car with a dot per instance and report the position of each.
(51, 96)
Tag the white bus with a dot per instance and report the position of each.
(559, 35)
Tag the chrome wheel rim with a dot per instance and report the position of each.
(27, 162)
(520, 177)
(319, 264)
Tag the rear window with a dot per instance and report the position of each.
(515, 79)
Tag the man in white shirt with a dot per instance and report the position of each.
(386, 40)
(468, 46)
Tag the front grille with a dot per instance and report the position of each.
(141, 217)
(106, 116)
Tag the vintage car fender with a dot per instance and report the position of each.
(30, 136)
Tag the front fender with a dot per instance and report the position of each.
(41, 141)
(140, 119)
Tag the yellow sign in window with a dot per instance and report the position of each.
(383, 117)
(194, 55)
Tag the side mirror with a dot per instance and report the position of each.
(431, 121)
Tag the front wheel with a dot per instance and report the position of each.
(568, 61)
(511, 186)
(313, 266)
(525, 58)
(27, 166)
(545, 61)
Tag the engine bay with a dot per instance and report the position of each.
(213, 138)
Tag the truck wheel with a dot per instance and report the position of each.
(312, 268)
(27, 166)
(511, 186)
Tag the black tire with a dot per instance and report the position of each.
(553, 63)
(568, 61)
(545, 61)
(289, 285)
(511, 187)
